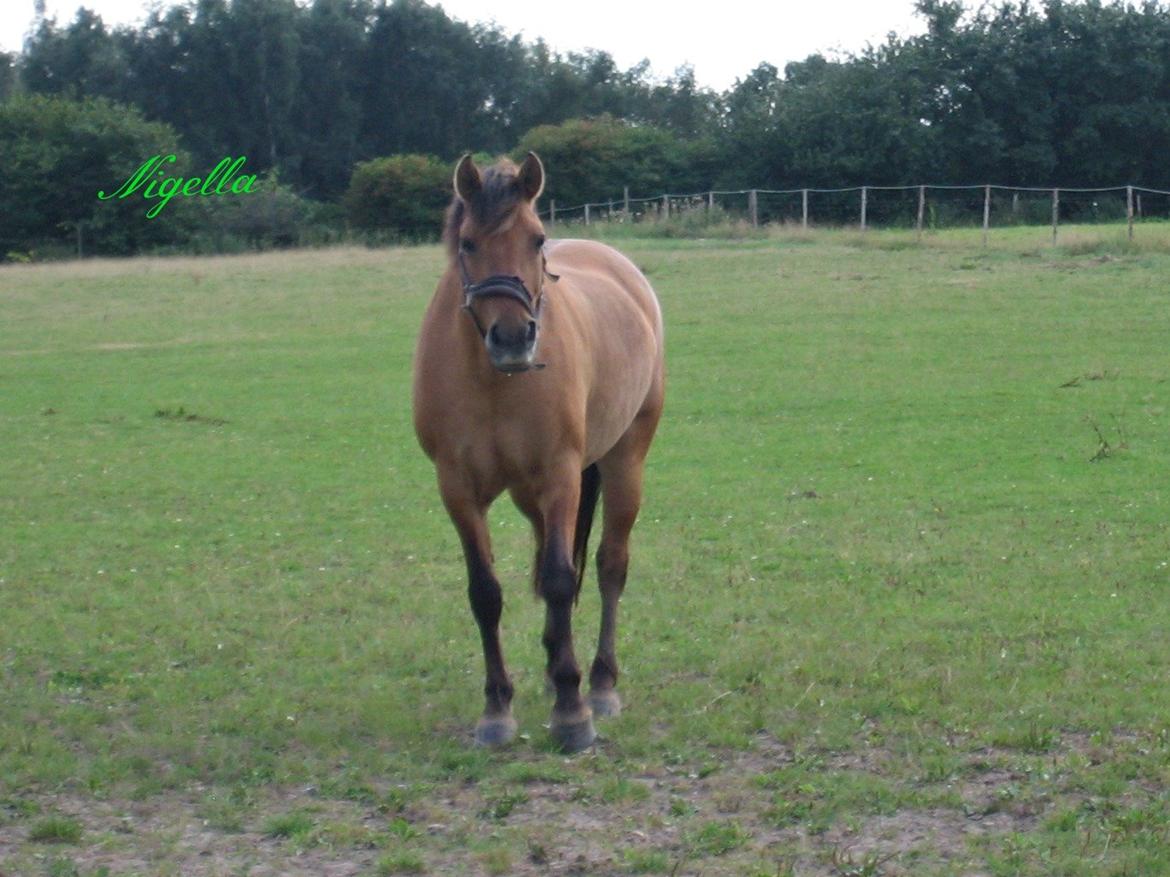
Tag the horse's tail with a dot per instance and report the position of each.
(590, 488)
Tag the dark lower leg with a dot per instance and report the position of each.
(487, 604)
(571, 719)
(612, 564)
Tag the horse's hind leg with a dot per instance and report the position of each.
(621, 490)
(621, 494)
(467, 512)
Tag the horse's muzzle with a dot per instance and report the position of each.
(512, 348)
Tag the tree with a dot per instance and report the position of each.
(7, 75)
(55, 156)
(82, 60)
(327, 113)
(588, 159)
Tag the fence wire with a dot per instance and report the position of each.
(919, 207)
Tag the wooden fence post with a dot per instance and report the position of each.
(1129, 210)
(921, 210)
(804, 209)
(986, 213)
(586, 214)
(710, 202)
(666, 206)
(626, 201)
(864, 204)
(552, 211)
(1055, 213)
(754, 208)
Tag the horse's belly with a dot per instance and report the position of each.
(610, 414)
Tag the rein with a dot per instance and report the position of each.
(504, 286)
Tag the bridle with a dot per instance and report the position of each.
(505, 286)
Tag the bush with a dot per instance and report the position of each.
(271, 215)
(403, 194)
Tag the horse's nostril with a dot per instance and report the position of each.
(494, 335)
(531, 331)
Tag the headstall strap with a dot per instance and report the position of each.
(502, 286)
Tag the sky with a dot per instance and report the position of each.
(723, 41)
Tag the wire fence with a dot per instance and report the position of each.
(911, 207)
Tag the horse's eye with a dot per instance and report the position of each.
(467, 246)
(540, 239)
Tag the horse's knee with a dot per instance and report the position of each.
(558, 583)
(487, 600)
(556, 575)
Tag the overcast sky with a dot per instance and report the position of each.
(723, 40)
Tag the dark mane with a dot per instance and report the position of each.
(490, 207)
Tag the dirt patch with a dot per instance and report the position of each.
(850, 812)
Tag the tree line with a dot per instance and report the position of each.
(340, 103)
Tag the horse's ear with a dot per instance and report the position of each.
(468, 181)
(531, 177)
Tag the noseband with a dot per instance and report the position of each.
(504, 286)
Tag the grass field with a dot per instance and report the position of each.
(898, 599)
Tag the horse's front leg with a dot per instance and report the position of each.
(468, 513)
(572, 719)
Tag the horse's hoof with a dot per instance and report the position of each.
(605, 702)
(495, 730)
(575, 734)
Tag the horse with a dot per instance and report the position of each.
(539, 370)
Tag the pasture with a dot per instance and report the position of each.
(897, 601)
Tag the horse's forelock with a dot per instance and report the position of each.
(491, 205)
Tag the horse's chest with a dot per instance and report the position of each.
(512, 448)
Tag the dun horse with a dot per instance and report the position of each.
(539, 370)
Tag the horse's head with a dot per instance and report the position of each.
(497, 242)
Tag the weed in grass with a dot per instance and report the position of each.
(400, 862)
(1064, 821)
(620, 789)
(402, 829)
(646, 861)
(226, 809)
(680, 808)
(501, 806)
(1032, 739)
(1105, 448)
(717, 838)
(180, 414)
(55, 829)
(58, 867)
(295, 825)
(535, 772)
(468, 765)
(787, 811)
(844, 864)
(222, 815)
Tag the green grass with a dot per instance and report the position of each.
(55, 829)
(891, 609)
